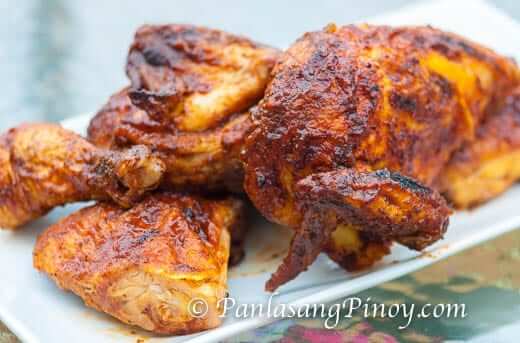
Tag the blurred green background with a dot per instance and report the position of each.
(60, 58)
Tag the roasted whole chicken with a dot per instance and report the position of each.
(354, 131)
(44, 165)
(145, 265)
(191, 89)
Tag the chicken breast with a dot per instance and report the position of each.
(490, 164)
(356, 127)
(146, 265)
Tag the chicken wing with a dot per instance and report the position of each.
(191, 88)
(486, 167)
(146, 264)
(355, 127)
(44, 165)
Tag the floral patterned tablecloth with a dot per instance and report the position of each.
(485, 278)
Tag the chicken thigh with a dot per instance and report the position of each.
(191, 89)
(200, 161)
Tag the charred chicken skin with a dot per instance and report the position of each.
(145, 264)
(354, 131)
(191, 89)
(44, 165)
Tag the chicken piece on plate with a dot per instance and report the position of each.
(486, 167)
(147, 264)
(44, 165)
(355, 127)
(191, 89)
(207, 160)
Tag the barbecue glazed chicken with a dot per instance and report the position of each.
(191, 89)
(44, 165)
(356, 137)
(144, 265)
(354, 130)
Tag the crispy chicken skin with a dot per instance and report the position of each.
(358, 123)
(191, 89)
(144, 265)
(44, 165)
(483, 169)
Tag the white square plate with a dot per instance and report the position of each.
(37, 311)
